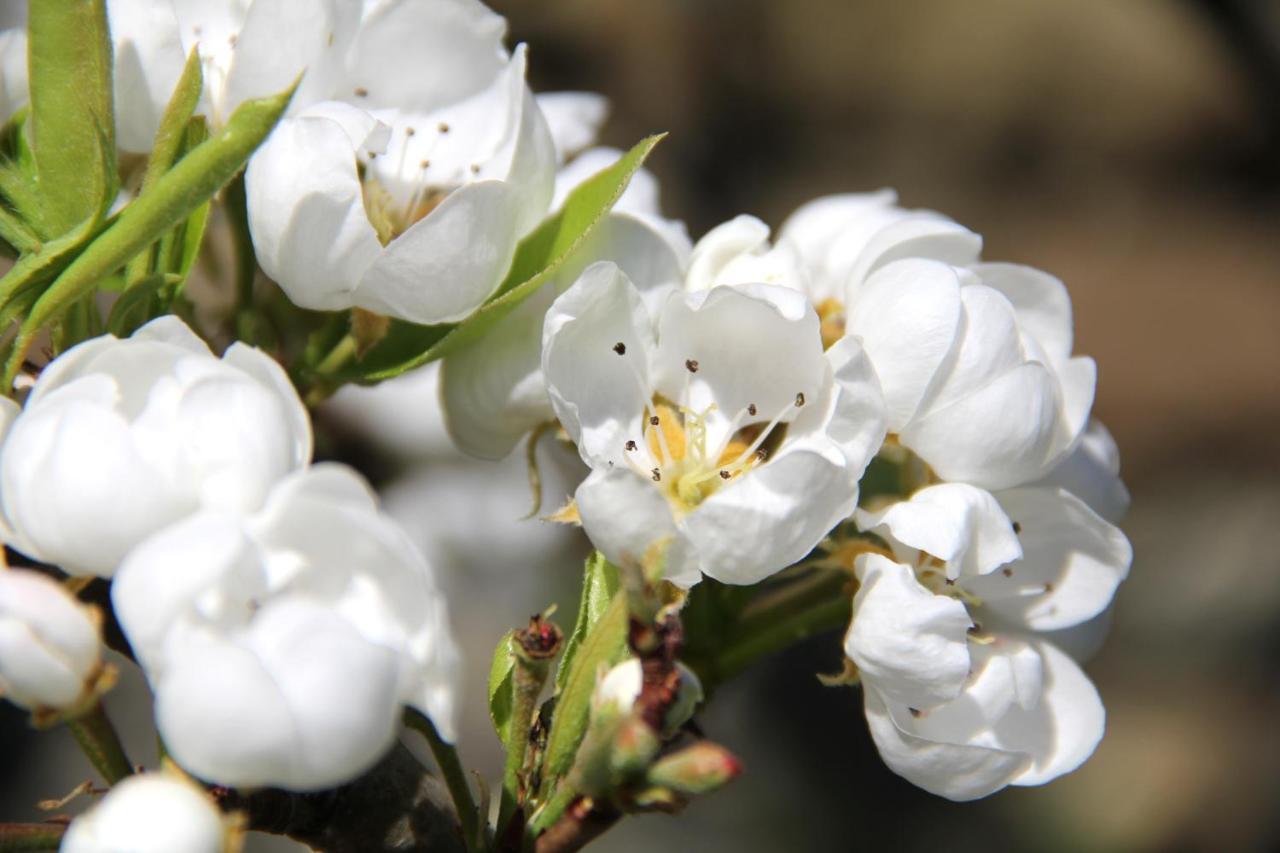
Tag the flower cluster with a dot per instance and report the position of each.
(186, 479)
(863, 399)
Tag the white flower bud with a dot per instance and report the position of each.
(119, 438)
(50, 647)
(621, 688)
(151, 813)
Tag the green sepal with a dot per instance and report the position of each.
(538, 257)
(502, 686)
(142, 302)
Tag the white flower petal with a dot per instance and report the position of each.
(907, 316)
(910, 644)
(1091, 473)
(1041, 300)
(13, 72)
(1072, 562)
(999, 436)
(50, 649)
(306, 208)
(598, 394)
(989, 346)
(957, 771)
(959, 524)
(574, 119)
(760, 523)
(149, 56)
(857, 421)
(625, 516)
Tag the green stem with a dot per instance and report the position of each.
(30, 837)
(100, 743)
(563, 797)
(246, 262)
(790, 599)
(768, 637)
(455, 778)
(528, 680)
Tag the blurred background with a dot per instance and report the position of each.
(1132, 149)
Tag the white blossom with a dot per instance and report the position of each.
(120, 437)
(406, 193)
(284, 650)
(50, 645)
(493, 390)
(152, 813)
(718, 428)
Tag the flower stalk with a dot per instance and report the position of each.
(97, 737)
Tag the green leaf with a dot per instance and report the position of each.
(35, 270)
(502, 686)
(172, 137)
(79, 323)
(538, 257)
(604, 645)
(174, 197)
(73, 126)
(600, 582)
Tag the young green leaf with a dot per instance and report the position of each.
(139, 304)
(604, 645)
(173, 197)
(73, 126)
(502, 686)
(600, 582)
(537, 259)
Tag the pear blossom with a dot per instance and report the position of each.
(406, 193)
(120, 437)
(717, 428)
(50, 645)
(153, 813)
(621, 687)
(959, 709)
(284, 650)
(493, 391)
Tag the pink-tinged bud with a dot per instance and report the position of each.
(698, 769)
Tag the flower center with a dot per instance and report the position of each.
(832, 318)
(408, 181)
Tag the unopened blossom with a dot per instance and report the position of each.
(286, 648)
(50, 645)
(493, 390)
(406, 193)
(621, 687)
(153, 813)
(120, 437)
(960, 708)
(717, 429)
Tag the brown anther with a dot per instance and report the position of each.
(620, 348)
(916, 712)
(657, 475)
(653, 420)
(1048, 587)
(631, 445)
(1007, 572)
(443, 127)
(231, 40)
(1017, 528)
(724, 475)
(974, 630)
(425, 164)
(800, 399)
(409, 131)
(751, 409)
(691, 365)
(475, 168)
(361, 92)
(949, 582)
(762, 454)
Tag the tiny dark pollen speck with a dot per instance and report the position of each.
(653, 421)
(631, 445)
(1007, 572)
(657, 475)
(361, 92)
(724, 475)
(444, 127)
(691, 364)
(751, 409)
(620, 348)
(800, 399)
(1017, 528)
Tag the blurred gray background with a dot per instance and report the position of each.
(1131, 148)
